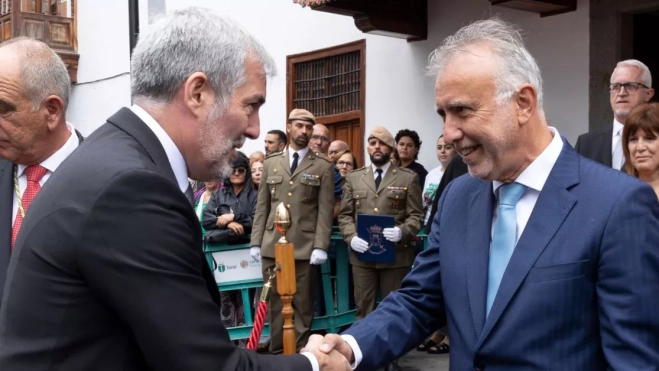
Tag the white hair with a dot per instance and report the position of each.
(192, 40)
(516, 65)
(42, 71)
(646, 76)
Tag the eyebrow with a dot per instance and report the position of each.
(257, 98)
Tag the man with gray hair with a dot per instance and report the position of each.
(631, 85)
(34, 135)
(108, 272)
(540, 260)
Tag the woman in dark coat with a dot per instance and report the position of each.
(229, 213)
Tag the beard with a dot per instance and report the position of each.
(217, 150)
(384, 158)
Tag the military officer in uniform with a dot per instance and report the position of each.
(383, 189)
(304, 182)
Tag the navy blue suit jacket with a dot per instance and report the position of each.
(581, 291)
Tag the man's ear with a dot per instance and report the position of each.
(526, 100)
(198, 94)
(54, 110)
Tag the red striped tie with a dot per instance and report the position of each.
(34, 174)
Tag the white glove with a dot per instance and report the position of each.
(318, 257)
(358, 244)
(392, 234)
(255, 252)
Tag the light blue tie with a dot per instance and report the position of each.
(503, 239)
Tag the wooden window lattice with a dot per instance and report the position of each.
(328, 86)
(5, 7)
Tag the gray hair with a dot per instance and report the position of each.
(42, 71)
(193, 40)
(646, 76)
(516, 65)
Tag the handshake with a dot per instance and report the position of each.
(331, 351)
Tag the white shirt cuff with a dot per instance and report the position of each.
(356, 352)
(312, 358)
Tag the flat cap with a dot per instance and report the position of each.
(382, 134)
(301, 114)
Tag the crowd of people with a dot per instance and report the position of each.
(540, 258)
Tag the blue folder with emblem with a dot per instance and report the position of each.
(369, 229)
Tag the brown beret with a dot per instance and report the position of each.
(382, 134)
(301, 114)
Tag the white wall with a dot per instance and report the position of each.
(104, 66)
(398, 94)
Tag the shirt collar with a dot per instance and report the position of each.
(176, 160)
(55, 160)
(617, 127)
(384, 167)
(301, 153)
(536, 174)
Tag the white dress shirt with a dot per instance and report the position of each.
(301, 153)
(534, 177)
(51, 164)
(176, 160)
(617, 159)
(384, 168)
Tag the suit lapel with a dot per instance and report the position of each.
(127, 121)
(389, 178)
(552, 207)
(304, 163)
(284, 163)
(479, 228)
(6, 209)
(368, 178)
(606, 145)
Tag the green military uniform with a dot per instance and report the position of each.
(308, 193)
(399, 195)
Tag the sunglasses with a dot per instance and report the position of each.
(240, 170)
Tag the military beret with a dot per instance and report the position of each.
(301, 114)
(382, 134)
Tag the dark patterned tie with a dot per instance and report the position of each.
(294, 165)
(378, 179)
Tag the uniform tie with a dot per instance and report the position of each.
(378, 179)
(34, 174)
(294, 165)
(503, 239)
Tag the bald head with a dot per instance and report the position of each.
(319, 142)
(42, 72)
(336, 147)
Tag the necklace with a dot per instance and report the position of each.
(18, 192)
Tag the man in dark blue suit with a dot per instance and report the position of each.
(541, 259)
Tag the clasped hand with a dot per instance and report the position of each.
(331, 351)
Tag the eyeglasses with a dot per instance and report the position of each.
(240, 170)
(630, 87)
(344, 164)
(320, 137)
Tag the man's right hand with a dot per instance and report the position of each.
(358, 245)
(327, 344)
(334, 361)
(255, 252)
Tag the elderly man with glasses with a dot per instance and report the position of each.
(631, 85)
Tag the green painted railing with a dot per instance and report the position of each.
(336, 290)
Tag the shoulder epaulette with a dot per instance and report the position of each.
(274, 154)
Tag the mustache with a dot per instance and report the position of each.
(240, 141)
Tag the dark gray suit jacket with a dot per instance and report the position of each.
(6, 209)
(108, 271)
(596, 145)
